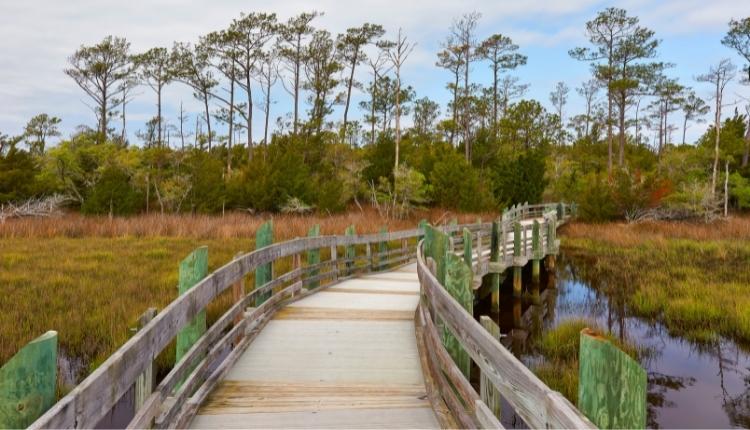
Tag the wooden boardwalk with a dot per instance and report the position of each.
(323, 349)
(345, 357)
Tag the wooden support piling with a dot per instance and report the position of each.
(313, 258)
(264, 272)
(28, 382)
(489, 394)
(536, 252)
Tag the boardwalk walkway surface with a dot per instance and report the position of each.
(345, 357)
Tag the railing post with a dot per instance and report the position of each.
(28, 382)
(368, 254)
(422, 225)
(468, 247)
(517, 285)
(192, 269)
(495, 244)
(382, 249)
(238, 291)
(536, 252)
(350, 252)
(334, 263)
(144, 385)
(488, 393)
(264, 272)
(313, 258)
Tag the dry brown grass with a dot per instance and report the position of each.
(233, 225)
(622, 234)
(90, 278)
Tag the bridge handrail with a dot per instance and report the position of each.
(533, 401)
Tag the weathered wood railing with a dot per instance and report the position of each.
(175, 399)
(443, 310)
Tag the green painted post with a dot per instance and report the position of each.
(468, 247)
(439, 246)
(536, 252)
(458, 278)
(611, 385)
(489, 394)
(350, 252)
(517, 280)
(313, 257)
(264, 272)
(192, 270)
(422, 225)
(495, 257)
(560, 211)
(28, 382)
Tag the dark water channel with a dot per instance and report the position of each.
(690, 385)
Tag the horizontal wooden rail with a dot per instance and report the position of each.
(532, 400)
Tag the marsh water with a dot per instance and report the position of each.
(690, 385)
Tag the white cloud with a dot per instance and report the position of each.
(36, 37)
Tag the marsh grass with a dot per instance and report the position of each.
(693, 278)
(560, 348)
(89, 278)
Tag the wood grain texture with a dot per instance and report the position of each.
(357, 344)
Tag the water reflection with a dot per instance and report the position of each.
(690, 385)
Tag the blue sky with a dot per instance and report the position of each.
(37, 36)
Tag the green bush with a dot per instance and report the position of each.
(113, 194)
(457, 185)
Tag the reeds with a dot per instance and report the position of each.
(232, 225)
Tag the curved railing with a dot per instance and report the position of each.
(439, 310)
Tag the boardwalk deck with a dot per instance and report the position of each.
(345, 357)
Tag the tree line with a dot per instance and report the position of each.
(492, 146)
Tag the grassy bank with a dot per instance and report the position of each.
(90, 278)
(693, 278)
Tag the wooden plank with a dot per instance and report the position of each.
(429, 373)
(486, 418)
(398, 418)
(308, 313)
(238, 397)
(28, 382)
(192, 270)
(611, 385)
(264, 272)
(489, 394)
(334, 351)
